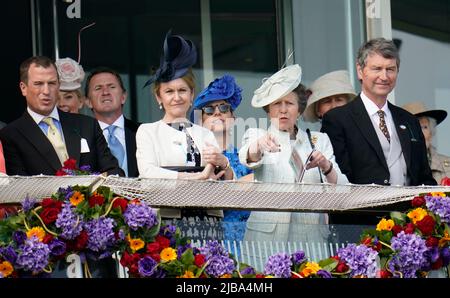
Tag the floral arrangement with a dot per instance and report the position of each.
(70, 169)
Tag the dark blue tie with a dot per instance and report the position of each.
(115, 146)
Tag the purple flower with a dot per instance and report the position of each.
(33, 255)
(168, 231)
(410, 254)
(69, 222)
(28, 204)
(66, 192)
(9, 254)
(279, 265)
(219, 265)
(361, 259)
(121, 234)
(181, 249)
(298, 257)
(86, 168)
(139, 216)
(324, 274)
(57, 247)
(439, 206)
(213, 248)
(146, 266)
(19, 237)
(100, 232)
(248, 271)
(445, 254)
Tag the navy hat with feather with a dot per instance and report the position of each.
(179, 55)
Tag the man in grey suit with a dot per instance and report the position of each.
(43, 137)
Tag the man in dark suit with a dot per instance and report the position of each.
(107, 95)
(375, 141)
(44, 137)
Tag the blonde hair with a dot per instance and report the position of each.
(189, 78)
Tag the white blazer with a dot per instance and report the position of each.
(159, 145)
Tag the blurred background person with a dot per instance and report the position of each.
(331, 90)
(429, 119)
(107, 96)
(71, 76)
(214, 108)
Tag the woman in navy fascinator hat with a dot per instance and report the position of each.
(173, 147)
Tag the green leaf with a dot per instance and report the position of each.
(187, 257)
(328, 264)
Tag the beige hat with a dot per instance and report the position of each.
(332, 83)
(277, 86)
(71, 74)
(418, 109)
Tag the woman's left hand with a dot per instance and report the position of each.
(211, 154)
(318, 160)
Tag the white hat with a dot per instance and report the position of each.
(277, 86)
(71, 74)
(332, 83)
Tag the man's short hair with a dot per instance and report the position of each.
(381, 46)
(103, 69)
(43, 61)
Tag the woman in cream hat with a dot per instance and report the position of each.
(327, 92)
(280, 154)
(71, 75)
(429, 119)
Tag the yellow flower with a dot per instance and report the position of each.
(77, 198)
(438, 194)
(6, 268)
(188, 274)
(417, 214)
(226, 276)
(310, 268)
(168, 254)
(36, 231)
(385, 225)
(136, 244)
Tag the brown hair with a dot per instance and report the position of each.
(42, 61)
(381, 46)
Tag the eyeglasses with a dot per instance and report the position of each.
(223, 108)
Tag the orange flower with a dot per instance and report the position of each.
(136, 244)
(310, 268)
(187, 274)
(77, 198)
(168, 254)
(417, 215)
(385, 225)
(6, 268)
(36, 231)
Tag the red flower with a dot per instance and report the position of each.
(385, 274)
(156, 257)
(367, 241)
(432, 241)
(409, 228)
(342, 267)
(153, 248)
(121, 203)
(445, 181)
(60, 172)
(50, 203)
(418, 202)
(79, 243)
(47, 238)
(49, 215)
(199, 260)
(426, 225)
(438, 264)
(96, 199)
(396, 229)
(163, 241)
(260, 276)
(70, 164)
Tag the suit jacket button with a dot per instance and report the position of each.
(386, 181)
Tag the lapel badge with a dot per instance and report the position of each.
(402, 126)
(314, 139)
(446, 163)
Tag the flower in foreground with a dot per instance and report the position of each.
(146, 266)
(360, 258)
(168, 254)
(34, 255)
(6, 269)
(410, 256)
(279, 265)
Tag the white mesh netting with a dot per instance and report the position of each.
(221, 195)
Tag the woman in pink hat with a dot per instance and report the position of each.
(71, 75)
(429, 119)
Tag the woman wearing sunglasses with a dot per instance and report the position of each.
(172, 147)
(284, 153)
(214, 109)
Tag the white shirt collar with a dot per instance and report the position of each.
(371, 107)
(120, 122)
(38, 117)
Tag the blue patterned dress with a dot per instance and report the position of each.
(234, 221)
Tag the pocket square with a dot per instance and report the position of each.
(84, 146)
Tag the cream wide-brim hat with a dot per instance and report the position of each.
(277, 86)
(332, 83)
(418, 109)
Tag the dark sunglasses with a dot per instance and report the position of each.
(223, 108)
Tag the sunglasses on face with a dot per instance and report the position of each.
(223, 108)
